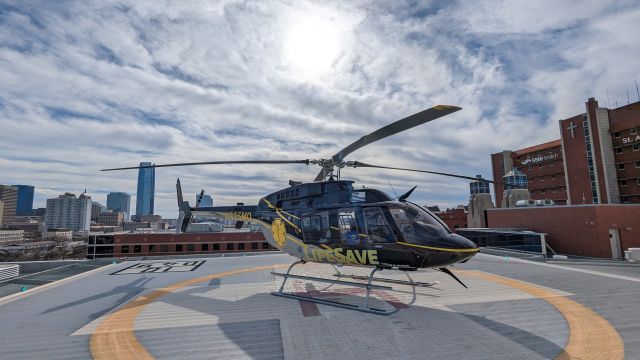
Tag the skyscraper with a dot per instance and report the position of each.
(24, 206)
(119, 202)
(9, 196)
(146, 190)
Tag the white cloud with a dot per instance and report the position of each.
(92, 85)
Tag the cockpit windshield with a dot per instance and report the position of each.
(417, 225)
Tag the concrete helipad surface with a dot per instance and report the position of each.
(221, 308)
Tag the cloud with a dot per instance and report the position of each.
(93, 85)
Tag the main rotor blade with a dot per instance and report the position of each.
(357, 164)
(391, 129)
(396, 127)
(215, 163)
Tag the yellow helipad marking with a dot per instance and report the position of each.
(590, 335)
(114, 337)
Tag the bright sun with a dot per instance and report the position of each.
(312, 43)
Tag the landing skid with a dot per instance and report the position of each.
(364, 307)
(391, 281)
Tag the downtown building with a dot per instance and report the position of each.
(595, 161)
(68, 212)
(24, 205)
(146, 190)
(119, 202)
(9, 202)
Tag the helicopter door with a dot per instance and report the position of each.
(344, 228)
(378, 229)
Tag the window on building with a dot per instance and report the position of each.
(619, 150)
(240, 246)
(164, 248)
(638, 164)
(137, 249)
(254, 246)
(616, 134)
(191, 247)
(229, 246)
(633, 131)
(204, 247)
(623, 182)
(620, 166)
(216, 247)
(265, 245)
(638, 181)
(152, 248)
(178, 247)
(456, 226)
(636, 147)
(542, 191)
(124, 249)
(624, 199)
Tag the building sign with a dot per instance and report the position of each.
(160, 267)
(631, 139)
(539, 158)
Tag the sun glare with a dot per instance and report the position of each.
(312, 44)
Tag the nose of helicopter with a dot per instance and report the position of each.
(458, 249)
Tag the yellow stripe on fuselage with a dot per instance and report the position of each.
(438, 248)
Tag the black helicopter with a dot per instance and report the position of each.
(330, 221)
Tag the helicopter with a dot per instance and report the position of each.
(329, 220)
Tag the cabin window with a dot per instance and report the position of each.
(312, 229)
(378, 229)
(347, 227)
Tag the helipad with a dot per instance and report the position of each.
(221, 308)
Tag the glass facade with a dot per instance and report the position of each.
(515, 179)
(146, 190)
(119, 201)
(24, 206)
(479, 186)
(512, 240)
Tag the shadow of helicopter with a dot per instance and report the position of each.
(129, 290)
(259, 336)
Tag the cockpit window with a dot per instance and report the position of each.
(416, 224)
(378, 229)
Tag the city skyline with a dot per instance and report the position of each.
(128, 89)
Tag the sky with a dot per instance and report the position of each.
(87, 85)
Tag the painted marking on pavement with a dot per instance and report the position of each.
(590, 335)
(114, 337)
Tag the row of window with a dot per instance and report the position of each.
(622, 166)
(592, 173)
(164, 248)
(632, 131)
(541, 178)
(626, 183)
(635, 147)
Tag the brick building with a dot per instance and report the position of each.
(157, 244)
(586, 230)
(595, 161)
(454, 218)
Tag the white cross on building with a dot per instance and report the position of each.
(571, 128)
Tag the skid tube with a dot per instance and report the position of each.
(338, 274)
(364, 307)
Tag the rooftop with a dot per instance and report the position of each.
(539, 147)
(221, 307)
